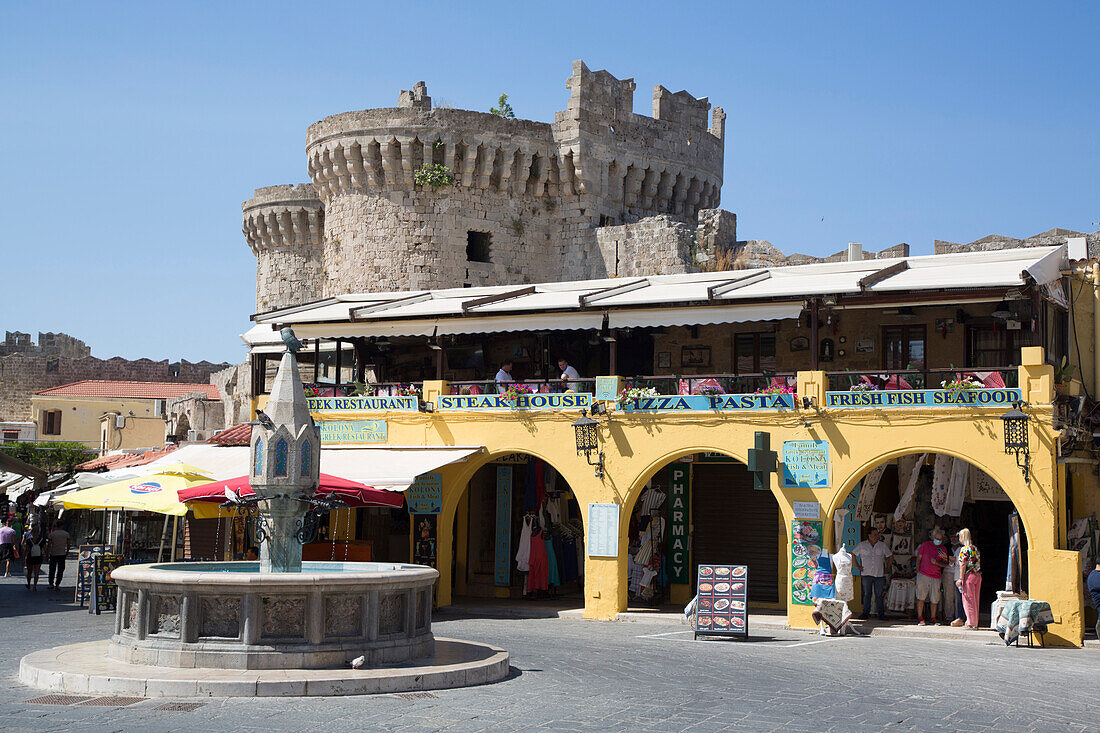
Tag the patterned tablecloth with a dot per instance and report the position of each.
(902, 595)
(1020, 617)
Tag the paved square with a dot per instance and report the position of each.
(583, 675)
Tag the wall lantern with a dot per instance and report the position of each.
(588, 441)
(1016, 441)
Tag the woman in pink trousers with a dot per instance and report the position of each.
(969, 577)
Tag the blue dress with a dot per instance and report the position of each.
(823, 578)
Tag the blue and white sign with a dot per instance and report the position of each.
(553, 401)
(353, 431)
(925, 398)
(711, 402)
(607, 388)
(805, 464)
(425, 494)
(361, 404)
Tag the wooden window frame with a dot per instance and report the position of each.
(906, 329)
(755, 350)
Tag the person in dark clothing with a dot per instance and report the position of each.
(1094, 591)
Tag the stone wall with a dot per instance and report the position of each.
(540, 191)
(234, 384)
(1051, 237)
(49, 344)
(21, 376)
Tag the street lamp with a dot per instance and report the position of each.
(1016, 440)
(588, 441)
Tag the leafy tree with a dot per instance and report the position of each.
(49, 456)
(503, 109)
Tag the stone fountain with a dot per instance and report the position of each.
(280, 626)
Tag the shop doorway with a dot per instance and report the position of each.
(727, 522)
(518, 501)
(929, 497)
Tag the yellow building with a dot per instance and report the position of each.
(866, 393)
(108, 415)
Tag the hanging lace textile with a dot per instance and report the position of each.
(908, 474)
(867, 493)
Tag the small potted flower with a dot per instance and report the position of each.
(863, 387)
(632, 395)
(511, 395)
(961, 384)
(407, 390)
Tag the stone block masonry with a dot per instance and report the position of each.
(527, 200)
(31, 369)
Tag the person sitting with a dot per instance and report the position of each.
(252, 553)
(504, 376)
(569, 376)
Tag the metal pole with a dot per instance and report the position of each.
(163, 536)
(175, 528)
(813, 335)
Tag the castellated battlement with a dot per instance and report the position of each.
(526, 200)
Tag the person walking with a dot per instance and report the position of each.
(872, 558)
(32, 556)
(933, 557)
(969, 577)
(57, 544)
(1094, 591)
(7, 546)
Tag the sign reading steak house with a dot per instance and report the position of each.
(924, 398)
(553, 401)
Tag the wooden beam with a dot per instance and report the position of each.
(363, 310)
(730, 285)
(880, 275)
(589, 299)
(476, 302)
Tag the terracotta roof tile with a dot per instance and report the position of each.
(124, 460)
(236, 435)
(148, 390)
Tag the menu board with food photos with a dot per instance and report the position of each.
(104, 595)
(721, 606)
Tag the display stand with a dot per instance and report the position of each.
(721, 606)
(104, 592)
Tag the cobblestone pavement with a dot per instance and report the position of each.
(583, 675)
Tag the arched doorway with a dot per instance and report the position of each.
(711, 515)
(908, 496)
(510, 503)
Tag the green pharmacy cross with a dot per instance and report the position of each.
(762, 461)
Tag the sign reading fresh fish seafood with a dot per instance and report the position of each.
(721, 603)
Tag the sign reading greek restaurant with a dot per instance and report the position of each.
(711, 402)
(353, 431)
(924, 398)
(538, 401)
(361, 404)
(805, 464)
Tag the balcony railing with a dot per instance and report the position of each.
(887, 379)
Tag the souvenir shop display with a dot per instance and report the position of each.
(104, 593)
(646, 578)
(85, 570)
(549, 552)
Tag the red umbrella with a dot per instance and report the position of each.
(354, 493)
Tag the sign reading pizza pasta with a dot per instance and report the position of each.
(721, 604)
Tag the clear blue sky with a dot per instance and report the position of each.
(130, 133)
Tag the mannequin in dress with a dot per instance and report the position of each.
(842, 579)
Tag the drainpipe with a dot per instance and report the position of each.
(813, 335)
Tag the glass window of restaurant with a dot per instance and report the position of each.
(903, 347)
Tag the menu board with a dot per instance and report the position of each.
(104, 595)
(721, 605)
(84, 569)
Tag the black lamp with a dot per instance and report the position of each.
(588, 441)
(1016, 440)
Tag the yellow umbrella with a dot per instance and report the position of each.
(153, 493)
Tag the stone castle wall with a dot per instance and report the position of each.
(22, 375)
(539, 191)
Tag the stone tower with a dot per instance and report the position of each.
(286, 458)
(526, 203)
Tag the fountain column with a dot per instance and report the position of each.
(285, 464)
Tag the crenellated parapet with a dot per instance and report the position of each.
(285, 228)
(526, 200)
(283, 216)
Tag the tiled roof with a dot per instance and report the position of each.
(149, 390)
(124, 460)
(236, 436)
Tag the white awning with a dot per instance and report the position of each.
(392, 469)
(383, 467)
(18, 489)
(703, 315)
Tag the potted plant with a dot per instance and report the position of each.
(631, 395)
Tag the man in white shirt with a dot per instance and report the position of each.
(504, 375)
(872, 558)
(569, 376)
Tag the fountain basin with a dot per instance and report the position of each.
(229, 615)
